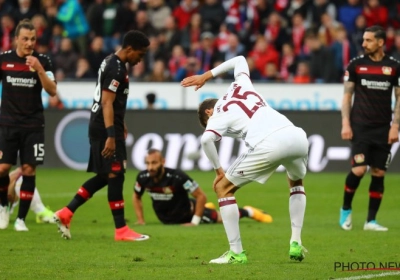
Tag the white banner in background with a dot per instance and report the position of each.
(79, 95)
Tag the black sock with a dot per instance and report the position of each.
(86, 191)
(116, 199)
(352, 183)
(4, 182)
(376, 189)
(26, 195)
(243, 213)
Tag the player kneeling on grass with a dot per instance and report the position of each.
(169, 191)
(271, 140)
(43, 214)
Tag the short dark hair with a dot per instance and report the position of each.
(151, 97)
(136, 40)
(26, 24)
(155, 151)
(208, 103)
(379, 32)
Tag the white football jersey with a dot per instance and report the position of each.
(243, 113)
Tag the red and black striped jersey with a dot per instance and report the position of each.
(374, 82)
(112, 77)
(21, 100)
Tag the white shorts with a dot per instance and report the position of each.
(287, 146)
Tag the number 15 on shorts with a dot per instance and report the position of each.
(38, 151)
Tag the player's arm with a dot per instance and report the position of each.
(138, 206)
(46, 77)
(394, 130)
(201, 200)
(347, 132)
(107, 101)
(238, 63)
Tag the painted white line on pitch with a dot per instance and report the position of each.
(370, 276)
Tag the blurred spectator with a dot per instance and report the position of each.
(83, 70)
(43, 48)
(394, 14)
(317, 9)
(395, 51)
(242, 19)
(94, 15)
(298, 6)
(342, 50)
(390, 34)
(48, 9)
(55, 38)
(7, 32)
(159, 73)
(96, 54)
(263, 53)
(322, 68)
(255, 75)
(212, 15)
(275, 32)
(288, 62)
(126, 16)
(192, 67)
(235, 48)
(327, 30)
(206, 54)
(302, 75)
(177, 60)
(71, 15)
(150, 100)
(264, 8)
(142, 23)
(357, 35)
(169, 35)
(184, 12)
(66, 60)
(138, 72)
(6, 8)
(155, 52)
(221, 42)
(158, 12)
(375, 13)
(109, 26)
(271, 73)
(298, 31)
(348, 13)
(190, 36)
(24, 10)
(43, 32)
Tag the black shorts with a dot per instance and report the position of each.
(28, 142)
(370, 146)
(100, 165)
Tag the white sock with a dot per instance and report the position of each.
(297, 208)
(36, 203)
(230, 217)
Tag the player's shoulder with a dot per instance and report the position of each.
(393, 60)
(43, 57)
(358, 59)
(142, 176)
(6, 54)
(175, 173)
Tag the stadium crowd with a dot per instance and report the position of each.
(296, 41)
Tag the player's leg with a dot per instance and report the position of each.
(8, 157)
(230, 217)
(359, 160)
(31, 154)
(380, 160)
(295, 151)
(64, 216)
(116, 169)
(255, 214)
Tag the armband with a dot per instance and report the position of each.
(196, 220)
(111, 131)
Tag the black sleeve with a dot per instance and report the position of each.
(113, 77)
(187, 183)
(139, 186)
(350, 74)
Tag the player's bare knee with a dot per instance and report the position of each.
(377, 172)
(28, 170)
(295, 183)
(359, 171)
(4, 169)
(224, 190)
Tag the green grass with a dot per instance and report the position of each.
(177, 252)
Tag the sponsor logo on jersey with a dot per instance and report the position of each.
(113, 85)
(161, 196)
(381, 85)
(387, 70)
(21, 82)
(363, 69)
(359, 158)
(167, 190)
(346, 76)
(10, 65)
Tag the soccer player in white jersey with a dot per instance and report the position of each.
(271, 139)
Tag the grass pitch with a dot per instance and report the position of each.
(177, 252)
